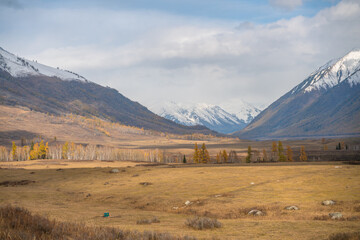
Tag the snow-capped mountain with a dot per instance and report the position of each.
(45, 89)
(243, 110)
(211, 116)
(327, 103)
(20, 67)
(333, 73)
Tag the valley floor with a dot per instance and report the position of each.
(63, 191)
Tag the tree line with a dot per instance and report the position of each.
(278, 153)
(72, 151)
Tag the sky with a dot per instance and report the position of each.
(219, 52)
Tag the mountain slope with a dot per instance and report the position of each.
(46, 89)
(211, 116)
(327, 103)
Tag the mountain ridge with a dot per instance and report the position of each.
(66, 92)
(325, 103)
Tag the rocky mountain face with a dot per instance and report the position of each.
(327, 103)
(52, 90)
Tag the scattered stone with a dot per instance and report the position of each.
(291, 208)
(16, 183)
(115, 170)
(218, 195)
(106, 183)
(335, 215)
(135, 175)
(175, 208)
(88, 195)
(256, 212)
(145, 183)
(59, 169)
(338, 167)
(328, 202)
(187, 203)
(252, 183)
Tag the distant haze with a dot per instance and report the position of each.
(218, 52)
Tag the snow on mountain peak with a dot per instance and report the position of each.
(20, 67)
(211, 116)
(332, 73)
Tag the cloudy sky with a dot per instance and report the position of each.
(210, 51)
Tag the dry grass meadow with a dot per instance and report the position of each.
(64, 191)
(80, 192)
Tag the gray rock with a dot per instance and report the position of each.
(187, 203)
(328, 202)
(115, 170)
(292, 208)
(145, 183)
(335, 215)
(256, 212)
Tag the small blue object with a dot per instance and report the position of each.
(106, 214)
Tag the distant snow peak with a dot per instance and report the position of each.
(333, 73)
(211, 116)
(20, 67)
(243, 110)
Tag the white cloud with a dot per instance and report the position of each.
(152, 56)
(286, 4)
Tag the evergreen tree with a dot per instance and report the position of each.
(184, 159)
(338, 147)
(248, 157)
(32, 146)
(13, 151)
(289, 154)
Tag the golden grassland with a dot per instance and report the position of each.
(82, 195)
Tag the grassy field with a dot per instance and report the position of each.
(63, 191)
